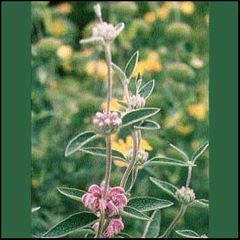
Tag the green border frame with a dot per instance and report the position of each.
(16, 119)
(223, 120)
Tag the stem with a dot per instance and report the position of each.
(134, 178)
(132, 162)
(175, 221)
(108, 56)
(147, 227)
(189, 176)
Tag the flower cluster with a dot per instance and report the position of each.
(142, 156)
(137, 101)
(112, 204)
(106, 123)
(114, 227)
(185, 195)
(104, 30)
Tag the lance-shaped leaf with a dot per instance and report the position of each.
(183, 154)
(200, 203)
(131, 65)
(101, 152)
(123, 235)
(162, 160)
(165, 186)
(138, 115)
(152, 228)
(146, 90)
(79, 141)
(72, 193)
(199, 152)
(144, 204)
(121, 75)
(133, 213)
(119, 27)
(70, 224)
(187, 234)
(92, 40)
(35, 209)
(148, 125)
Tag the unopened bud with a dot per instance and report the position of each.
(137, 101)
(185, 195)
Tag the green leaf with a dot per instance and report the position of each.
(79, 141)
(101, 152)
(144, 204)
(35, 209)
(199, 152)
(187, 234)
(138, 115)
(133, 213)
(121, 75)
(72, 193)
(148, 125)
(153, 227)
(165, 186)
(200, 203)
(70, 224)
(131, 65)
(146, 90)
(183, 154)
(123, 235)
(162, 160)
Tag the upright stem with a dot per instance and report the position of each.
(108, 57)
(189, 176)
(175, 221)
(132, 162)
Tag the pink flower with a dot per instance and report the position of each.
(114, 203)
(115, 226)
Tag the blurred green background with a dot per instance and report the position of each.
(69, 86)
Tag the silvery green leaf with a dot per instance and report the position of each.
(131, 65)
(79, 141)
(133, 213)
(70, 224)
(144, 204)
(152, 229)
(101, 152)
(184, 155)
(162, 160)
(35, 209)
(165, 186)
(138, 115)
(119, 27)
(92, 40)
(187, 234)
(123, 235)
(200, 203)
(72, 193)
(199, 152)
(146, 90)
(148, 125)
(119, 72)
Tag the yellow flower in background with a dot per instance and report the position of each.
(120, 163)
(64, 8)
(198, 111)
(173, 120)
(114, 105)
(65, 52)
(184, 129)
(58, 28)
(195, 144)
(151, 64)
(150, 17)
(163, 12)
(97, 68)
(87, 52)
(187, 8)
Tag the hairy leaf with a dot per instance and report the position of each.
(133, 213)
(146, 90)
(200, 203)
(121, 75)
(72, 193)
(131, 65)
(148, 125)
(153, 227)
(70, 224)
(162, 160)
(199, 152)
(187, 234)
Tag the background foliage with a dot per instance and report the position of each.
(68, 87)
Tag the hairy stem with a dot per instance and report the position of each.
(108, 140)
(132, 162)
(189, 176)
(175, 221)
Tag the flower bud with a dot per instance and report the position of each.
(137, 101)
(142, 156)
(107, 123)
(185, 195)
(98, 11)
